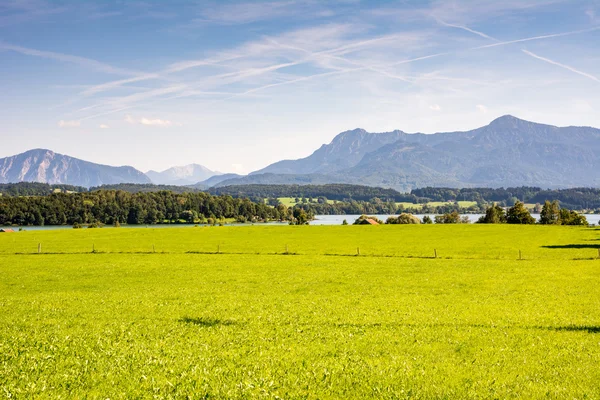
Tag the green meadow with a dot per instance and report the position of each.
(426, 311)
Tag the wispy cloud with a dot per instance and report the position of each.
(69, 124)
(83, 61)
(465, 28)
(564, 66)
(534, 38)
(249, 12)
(481, 108)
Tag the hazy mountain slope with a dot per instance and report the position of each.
(45, 166)
(507, 152)
(217, 179)
(344, 151)
(184, 175)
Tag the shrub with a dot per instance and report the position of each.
(403, 218)
(448, 218)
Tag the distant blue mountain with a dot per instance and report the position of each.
(45, 166)
(507, 152)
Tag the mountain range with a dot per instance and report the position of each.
(185, 175)
(507, 152)
(41, 165)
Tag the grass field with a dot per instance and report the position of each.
(158, 313)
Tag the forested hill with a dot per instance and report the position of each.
(339, 192)
(113, 207)
(146, 188)
(36, 189)
(575, 198)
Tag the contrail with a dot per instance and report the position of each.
(465, 28)
(567, 67)
(536, 38)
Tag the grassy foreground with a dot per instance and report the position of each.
(320, 322)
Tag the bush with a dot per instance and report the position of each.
(568, 217)
(76, 225)
(427, 220)
(448, 218)
(403, 218)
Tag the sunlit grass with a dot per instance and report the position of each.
(323, 323)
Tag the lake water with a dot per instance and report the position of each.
(338, 219)
(319, 220)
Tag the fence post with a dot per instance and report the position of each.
(358, 251)
(93, 248)
(39, 248)
(153, 249)
(287, 251)
(219, 248)
(434, 253)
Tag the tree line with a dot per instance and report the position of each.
(117, 207)
(518, 214)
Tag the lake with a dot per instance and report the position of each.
(319, 220)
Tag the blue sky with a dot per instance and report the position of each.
(237, 85)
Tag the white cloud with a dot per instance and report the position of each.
(104, 126)
(69, 124)
(150, 122)
(483, 109)
(155, 122)
(435, 107)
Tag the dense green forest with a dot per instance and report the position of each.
(575, 198)
(42, 204)
(115, 207)
(340, 192)
(36, 189)
(146, 188)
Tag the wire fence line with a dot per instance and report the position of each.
(435, 254)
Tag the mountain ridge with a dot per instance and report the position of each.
(182, 175)
(46, 166)
(509, 151)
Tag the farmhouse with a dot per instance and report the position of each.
(369, 221)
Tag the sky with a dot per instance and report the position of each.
(236, 86)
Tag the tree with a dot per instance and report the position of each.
(518, 214)
(300, 217)
(344, 222)
(448, 218)
(550, 214)
(493, 215)
(403, 218)
(427, 220)
(568, 217)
